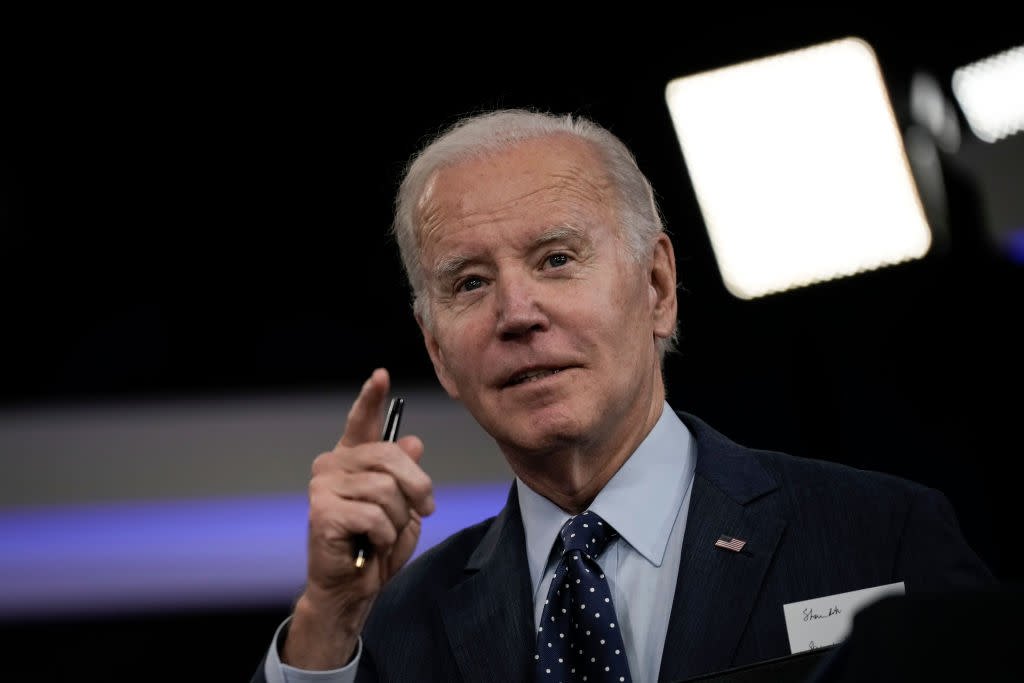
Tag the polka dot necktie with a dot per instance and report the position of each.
(578, 636)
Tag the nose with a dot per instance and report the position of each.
(518, 308)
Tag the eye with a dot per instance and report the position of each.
(470, 283)
(557, 260)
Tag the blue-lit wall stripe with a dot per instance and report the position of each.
(146, 556)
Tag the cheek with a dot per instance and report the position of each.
(626, 319)
(624, 297)
(462, 346)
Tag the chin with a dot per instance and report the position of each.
(539, 430)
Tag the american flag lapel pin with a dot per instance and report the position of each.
(730, 543)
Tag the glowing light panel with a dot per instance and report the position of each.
(991, 94)
(799, 167)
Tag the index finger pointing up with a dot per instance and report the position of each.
(364, 419)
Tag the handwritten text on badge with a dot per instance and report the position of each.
(825, 621)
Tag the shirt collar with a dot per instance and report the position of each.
(641, 501)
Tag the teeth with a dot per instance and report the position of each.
(533, 376)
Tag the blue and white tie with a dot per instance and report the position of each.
(578, 638)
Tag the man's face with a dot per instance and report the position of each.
(543, 324)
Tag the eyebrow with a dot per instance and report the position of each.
(559, 233)
(448, 266)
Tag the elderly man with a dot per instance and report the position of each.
(545, 286)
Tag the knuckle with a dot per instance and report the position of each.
(321, 486)
(320, 524)
(388, 485)
(404, 515)
(329, 535)
(322, 463)
(383, 527)
(422, 487)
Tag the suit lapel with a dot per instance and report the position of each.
(489, 617)
(716, 589)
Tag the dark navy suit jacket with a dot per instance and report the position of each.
(463, 610)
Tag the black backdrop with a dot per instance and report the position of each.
(198, 205)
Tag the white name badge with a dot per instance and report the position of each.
(825, 621)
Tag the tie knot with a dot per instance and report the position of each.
(588, 533)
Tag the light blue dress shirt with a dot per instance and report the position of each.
(646, 501)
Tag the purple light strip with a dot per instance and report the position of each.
(1015, 245)
(151, 556)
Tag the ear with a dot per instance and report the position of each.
(663, 287)
(437, 358)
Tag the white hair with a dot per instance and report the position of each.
(481, 135)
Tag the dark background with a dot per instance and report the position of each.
(199, 205)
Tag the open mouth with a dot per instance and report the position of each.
(531, 376)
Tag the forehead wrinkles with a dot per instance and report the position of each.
(566, 193)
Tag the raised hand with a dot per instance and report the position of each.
(362, 486)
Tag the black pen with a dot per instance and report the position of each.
(390, 433)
